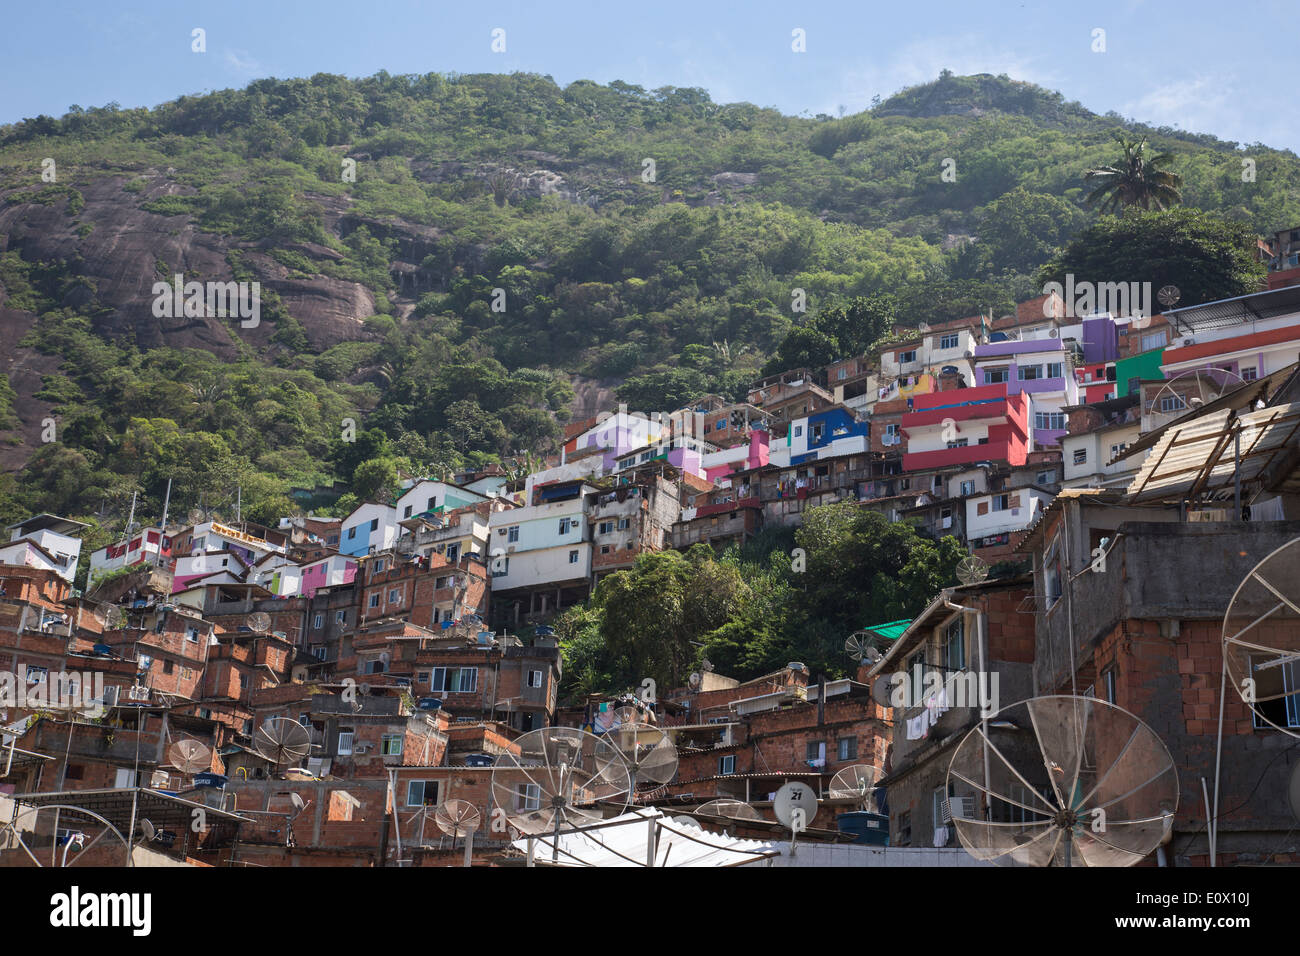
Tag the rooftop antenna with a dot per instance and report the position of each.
(728, 809)
(259, 622)
(860, 645)
(1066, 781)
(857, 782)
(1261, 648)
(189, 756)
(644, 749)
(554, 782)
(458, 819)
(972, 569)
(282, 741)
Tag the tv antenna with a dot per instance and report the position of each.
(1193, 389)
(972, 569)
(554, 781)
(643, 749)
(1065, 781)
(860, 646)
(1261, 640)
(857, 782)
(189, 756)
(728, 809)
(459, 819)
(282, 741)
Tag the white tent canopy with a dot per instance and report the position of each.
(625, 840)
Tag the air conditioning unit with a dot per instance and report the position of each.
(964, 808)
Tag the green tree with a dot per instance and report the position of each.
(1138, 180)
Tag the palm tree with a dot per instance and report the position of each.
(1138, 180)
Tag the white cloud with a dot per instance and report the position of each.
(243, 63)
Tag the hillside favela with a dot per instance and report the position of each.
(493, 469)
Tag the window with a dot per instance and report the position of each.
(1056, 370)
(954, 646)
(605, 527)
(726, 765)
(168, 667)
(454, 680)
(453, 552)
(374, 599)
(395, 596)
(35, 673)
(798, 431)
(528, 796)
(535, 678)
(374, 524)
(1028, 373)
(379, 566)
(352, 533)
(1001, 502)
(1118, 449)
(375, 666)
(995, 376)
(959, 443)
(340, 617)
(1050, 420)
(950, 341)
(624, 524)
(192, 634)
(318, 651)
(564, 525)
(318, 621)
(512, 533)
(846, 748)
(939, 803)
(1275, 693)
(1172, 403)
(406, 513)
(842, 374)
(345, 742)
(815, 750)
(908, 356)
(1045, 477)
(390, 745)
(422, 793)
(1155, 340)
(573, 557)
(968, 487)
(1108, 681)
(1249, 373)
(433, 503)
(1081, 456)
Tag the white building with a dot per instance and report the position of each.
(45, 541)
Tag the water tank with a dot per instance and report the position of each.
(429, 703)
(479, 760)
(869, 828)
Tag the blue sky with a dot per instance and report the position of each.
(1201, 65)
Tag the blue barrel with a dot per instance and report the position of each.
(868, 828)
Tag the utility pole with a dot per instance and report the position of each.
(131, 518)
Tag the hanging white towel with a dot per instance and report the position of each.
(940, 836)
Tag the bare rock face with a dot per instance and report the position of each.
(24, 367)
(128, 250)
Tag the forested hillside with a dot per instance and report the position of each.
(377, 293)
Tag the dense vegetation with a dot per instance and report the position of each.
(783, 597)
(659, 289)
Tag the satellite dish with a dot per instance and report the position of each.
(706, 665)
(882, 690)
(296, 799)
(694, 680)
(554, 781)
(1193, 389)
(282, 741)
(1168, 295)
(1069, 781)
(189, 756)
(1261, 639)
(457, 818)
(259, 621)
(972, 569)
(645, 750)
(857, 782)
(731, 809)
(148, 830)
(795, 796)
